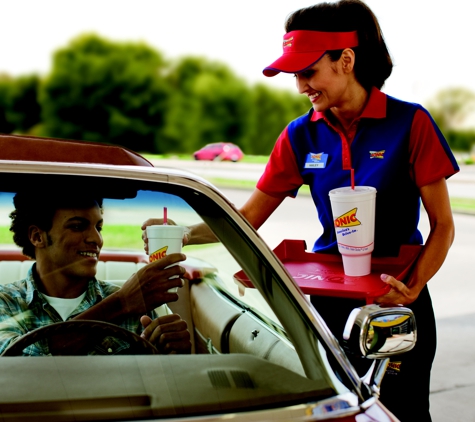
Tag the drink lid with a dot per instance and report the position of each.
(363, 193)
(165, 232)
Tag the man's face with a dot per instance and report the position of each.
(74, 242)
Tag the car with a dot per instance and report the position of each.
(260, 350)
(219, 151)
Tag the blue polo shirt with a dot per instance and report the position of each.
(394, 146)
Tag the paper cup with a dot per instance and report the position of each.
(353, 216)
(164, 240)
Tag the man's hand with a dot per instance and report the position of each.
(399, 294)
(168, 333)
(149, 287)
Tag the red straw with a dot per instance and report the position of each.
(353, 179)
(165, 216)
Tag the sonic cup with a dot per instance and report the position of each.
(353, 216)
(164, 240)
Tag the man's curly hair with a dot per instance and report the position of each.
(38, 209)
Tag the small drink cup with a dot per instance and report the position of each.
(353, 216)
(164, 240)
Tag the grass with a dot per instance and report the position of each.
(115, 236)
(245, 184)
(251, 159)
(5, 235)
(466, 205)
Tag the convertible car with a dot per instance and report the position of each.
(260, 350)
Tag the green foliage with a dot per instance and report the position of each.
(272, 110)
(209, 104)
(19, 107)
(451, 107)
(126, 94)
(462, 140)
(5, 84)
(105, 92)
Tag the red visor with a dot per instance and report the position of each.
(304, 48)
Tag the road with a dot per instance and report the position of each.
(452, 288)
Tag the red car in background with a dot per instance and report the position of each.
(219, 151)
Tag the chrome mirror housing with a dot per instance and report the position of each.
(375, 332)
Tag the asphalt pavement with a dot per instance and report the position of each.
(452, 288)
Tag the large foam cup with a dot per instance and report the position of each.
(164, 240)
(353, 216)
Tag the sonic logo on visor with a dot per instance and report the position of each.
(288, 43)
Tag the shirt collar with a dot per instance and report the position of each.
(95, 290)
(375, 107)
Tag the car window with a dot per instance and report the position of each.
(253, 360)
(121, 231)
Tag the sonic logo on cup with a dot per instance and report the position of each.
(348, 219)
(159, 254)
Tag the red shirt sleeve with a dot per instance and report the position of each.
(281, 176)
(430, 157)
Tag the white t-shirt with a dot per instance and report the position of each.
(64, 307)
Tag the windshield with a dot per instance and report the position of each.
(251, 346)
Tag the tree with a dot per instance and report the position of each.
(105, 91)
(272, 110)
(20, 109)
(209, 104)
(5, 84)
(451, 107)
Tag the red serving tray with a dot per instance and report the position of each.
(322, 274)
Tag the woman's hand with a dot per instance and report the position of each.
(159, 222)
(399, 294)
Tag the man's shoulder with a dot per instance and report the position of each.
(14, 297)
(15, 289)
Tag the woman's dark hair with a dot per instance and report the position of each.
(373, 64)
(38, 209)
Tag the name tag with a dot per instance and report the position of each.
(316, 161)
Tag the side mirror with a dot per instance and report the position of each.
(375, 332)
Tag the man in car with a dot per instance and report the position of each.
(63, 234)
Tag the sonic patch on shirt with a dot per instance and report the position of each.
(316, 161)
(377, 154)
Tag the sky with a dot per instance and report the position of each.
(430, 41)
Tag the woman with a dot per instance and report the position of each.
(338, 56)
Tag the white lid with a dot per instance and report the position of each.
(165, 231)
(363, 193)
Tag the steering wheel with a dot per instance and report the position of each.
(77, 337)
